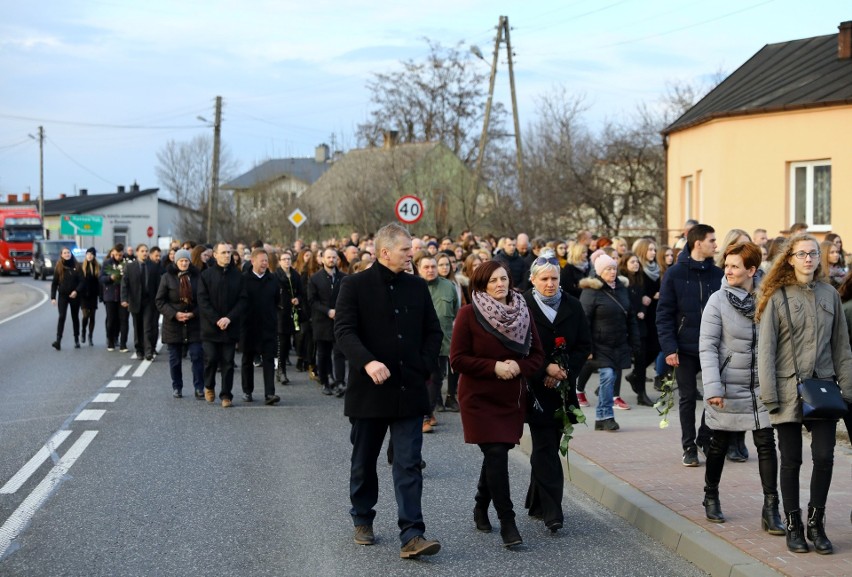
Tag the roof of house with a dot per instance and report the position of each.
(374, 169)
(305, 169)
(91, 202)
(784, 76)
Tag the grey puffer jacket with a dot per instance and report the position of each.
(821, 345)
(727, 347)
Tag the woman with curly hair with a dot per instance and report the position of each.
(306, 265)
(801, 319)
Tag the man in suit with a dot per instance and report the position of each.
(323, 288)
(138, 291)
(259, 332)
(386, 326)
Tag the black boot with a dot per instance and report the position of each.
(76, 342)
(633, 379)
(770, 518)
(282, 374)
(57, 344)
(816, 530)
(796, 533)
(509, 532)
(713, 509)
(642, 398)
(480, 518)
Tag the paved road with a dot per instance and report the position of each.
(180, 487)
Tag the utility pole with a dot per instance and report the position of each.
(214, 189)
(41, 177)
(502, 30)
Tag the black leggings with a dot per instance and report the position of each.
(822, 453)
(62, 303)
(767, 460)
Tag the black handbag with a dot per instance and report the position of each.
(820, 398)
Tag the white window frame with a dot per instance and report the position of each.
(809, 193)
(688, 188)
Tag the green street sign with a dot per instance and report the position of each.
(81, 224)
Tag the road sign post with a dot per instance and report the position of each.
(409, 209)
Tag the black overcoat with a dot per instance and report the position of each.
(220, 294)
(169, 304)
(390, 318)
(613, 326)
(260, 321)
(570, 323)
(290, 288)
(134, 290)
(323, 290)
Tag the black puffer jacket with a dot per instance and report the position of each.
(615, 333)
(221, 295)
(169, 304)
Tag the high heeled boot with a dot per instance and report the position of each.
(816, 530)
(713, 508)
(796, 532)
(509, 532)
(770, 518)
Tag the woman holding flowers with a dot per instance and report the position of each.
(564, 334)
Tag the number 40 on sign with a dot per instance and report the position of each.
(409, 209)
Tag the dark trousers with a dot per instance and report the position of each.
(63, 303)
(329, 357)
(144, 328)
(266, 350)
(493, 485)
(367, 436)
(767, 460)
(544, 496)
(687, 389)
(89, 321)
(305, 348)
(116, 325)
(155, 329)
(822, 453)
(219, 355)
(436, 383)
(196, 357)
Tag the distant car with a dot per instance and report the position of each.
(46, 254)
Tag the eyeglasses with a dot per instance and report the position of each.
(801, 255)
(541, 261)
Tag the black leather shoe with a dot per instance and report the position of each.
(56, 345)
(199, 394)
(326, 390)
(177, 394)
(271, 399)
(554, 525)
(248, 398)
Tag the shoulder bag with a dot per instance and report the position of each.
(821, 398)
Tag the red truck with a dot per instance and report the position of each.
(20, 226)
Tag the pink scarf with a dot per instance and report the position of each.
(510, 323)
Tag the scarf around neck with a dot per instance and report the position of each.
(548, 305)
(744, 306)
(652, 270)
(510, 323)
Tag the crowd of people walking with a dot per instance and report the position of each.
(504, 331)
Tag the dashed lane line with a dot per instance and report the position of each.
(33, 464)
(106, 398)
(118, 384)
(123, 370)
(22, 516)
(140, 370)
(90, 415)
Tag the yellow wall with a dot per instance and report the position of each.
(743, 167)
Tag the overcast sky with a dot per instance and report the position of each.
(112, 81)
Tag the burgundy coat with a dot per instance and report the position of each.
(492, 410)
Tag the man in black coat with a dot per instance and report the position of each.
(221, 301)
(138, 290)
(516, 263)
(259, 332)
(387, 327)
(323, 288)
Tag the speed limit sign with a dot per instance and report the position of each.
(409, 209)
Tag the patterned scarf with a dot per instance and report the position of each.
(652, 270)
(510, 323)
(548, 305)
(185, 288)
(743, 306)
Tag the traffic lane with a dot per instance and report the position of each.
(177, 487)
(17, 296)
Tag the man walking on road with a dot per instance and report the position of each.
(138, 290)
(323, 288)
(260, 326)
(387, 328)
(686, 288)
(221, 301)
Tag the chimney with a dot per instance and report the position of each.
(844, 41)
(13, 199)
(84, 192)
(321, 154)
(134, 187)
(120, 190)
(61, 196)
(391, 139)
(26, 197)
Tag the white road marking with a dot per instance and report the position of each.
(106, 398)
(123, 370)
(140, 370)
(33, 464)
(22, 516)
(44, 299)
(118, 384)
(90, 415)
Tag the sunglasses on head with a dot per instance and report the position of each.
(542, 260)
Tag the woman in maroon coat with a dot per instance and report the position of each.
(495, 348)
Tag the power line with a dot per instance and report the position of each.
(68, 156)
(98, 125)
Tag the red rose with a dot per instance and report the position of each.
(560, 341)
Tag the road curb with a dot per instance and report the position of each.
(690, 541)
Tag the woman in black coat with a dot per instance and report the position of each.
(556, 315)
(630, 268)
(290, 311)
(90, 291)
(64, 293)
(177, 301)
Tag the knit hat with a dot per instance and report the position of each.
(603, 262)
(183, 253)
(92, 250)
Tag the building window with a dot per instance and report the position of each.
(687, 190)
(810, 194)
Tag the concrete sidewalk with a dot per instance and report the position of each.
(637, 473)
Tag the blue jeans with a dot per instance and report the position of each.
(604, 408)
(660, 365)
(195, 356)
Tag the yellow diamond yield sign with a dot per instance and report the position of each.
(297, 217)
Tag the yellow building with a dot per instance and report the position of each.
(770, 145)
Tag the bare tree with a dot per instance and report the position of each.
(185, 170)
